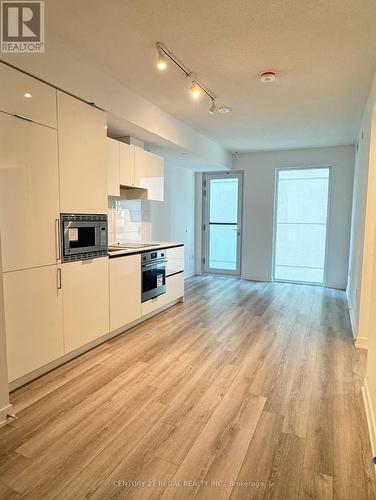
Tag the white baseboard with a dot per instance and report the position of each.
(361, 343)
(370, 416)
(351, 314)
(4, 412)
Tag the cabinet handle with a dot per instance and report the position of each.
(58, 279)
(57, 239)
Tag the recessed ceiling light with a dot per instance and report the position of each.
(224, 109)
(267, 76)
(28, 95)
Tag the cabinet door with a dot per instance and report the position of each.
(85, 301)
(113, 171)
(175, 259)
(149, 173)
(29, 193)
(33, 318)
(82, 156)
(125, 290)
(39, 105)
(127, 168)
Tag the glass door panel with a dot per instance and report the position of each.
(222, 209)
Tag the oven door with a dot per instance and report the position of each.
(153, 280)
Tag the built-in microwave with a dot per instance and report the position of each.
(83, 236)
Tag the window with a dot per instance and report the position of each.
(301, 224)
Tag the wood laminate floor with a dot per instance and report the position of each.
(247, 390)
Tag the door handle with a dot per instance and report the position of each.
(58, 279)
(57, 239)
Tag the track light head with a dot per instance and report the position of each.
(213, 108)
(161, 59)
(195, 90)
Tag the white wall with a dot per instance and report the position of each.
(5, 407)
(173, 219)
(360, 285)
(362, 282)
(258, 207)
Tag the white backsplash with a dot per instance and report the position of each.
(128, 220)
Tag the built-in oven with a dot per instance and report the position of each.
(153, 274)
(83, 236)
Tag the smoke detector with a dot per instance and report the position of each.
(224, 109)
(267, 76)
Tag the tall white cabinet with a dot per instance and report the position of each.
(52, 160)
(82, 156)
(29, 193)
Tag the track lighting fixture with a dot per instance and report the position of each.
(161, 60)
(196, 88)
(213, 108)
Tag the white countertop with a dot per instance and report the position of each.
(155, 245)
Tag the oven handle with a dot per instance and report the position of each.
(156, 262)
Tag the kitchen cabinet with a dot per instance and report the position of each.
(174, 291)
(127, 164)
(125, 290)
(85, 301)
(113, 167)
(26, 96)
(82, 156)
(149, 173)
(29, 194)
(175, 259)
(34, 319)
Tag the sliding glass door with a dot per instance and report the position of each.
(222, 197)
(301, 218)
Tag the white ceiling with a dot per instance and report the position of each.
(324, 53)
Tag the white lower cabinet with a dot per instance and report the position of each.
(34, 319)
(85, 301)
(174, 291)
(125, 290)
(175, 259)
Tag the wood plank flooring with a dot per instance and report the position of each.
(246, 391)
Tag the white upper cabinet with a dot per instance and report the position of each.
(25, 96)
(125, 290)
(113, 167)
(85, 289)
(149, 173)
(82, 156)
(29, 193)
(127, 164)
(34, 319)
